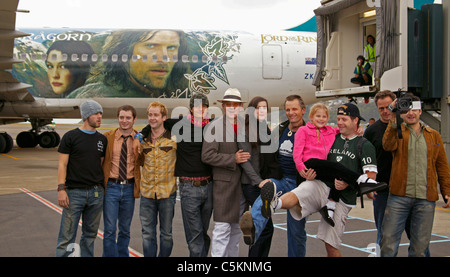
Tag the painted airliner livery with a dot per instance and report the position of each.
(64, 67)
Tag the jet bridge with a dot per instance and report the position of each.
(410, 52)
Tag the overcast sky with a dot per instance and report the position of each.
(173, 14)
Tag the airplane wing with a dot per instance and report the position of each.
(11, 90)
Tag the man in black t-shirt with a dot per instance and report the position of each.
(374, 134)
(80, 182)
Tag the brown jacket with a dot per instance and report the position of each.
(107, 163)
(220, 154)
(437, 164)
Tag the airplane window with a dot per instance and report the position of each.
(124, 58)
(134, 58)
(94, 57)
(64, 57)
(154, 58)
(204, 59)
(74, 57)
(43, 57)
(33, 56)
(185, 58)
(114, 58)
(215, 59)
(165, 58)
(144, 58)
(104, 57)
(23, 56)
(84, 57)
(175, 58)
(194, 58)
(53, 58)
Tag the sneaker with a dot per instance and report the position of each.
(371, 187)
(247, 228)
(269, 199)
(324, 212)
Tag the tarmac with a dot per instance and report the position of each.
(30, 217)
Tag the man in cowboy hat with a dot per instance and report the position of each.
(220, 150)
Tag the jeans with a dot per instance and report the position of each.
(398, 209)
(379, 206)
(196, 210)
(149, 210)
(297, 235)
(261, 247)
(118, 209)
(87, 204)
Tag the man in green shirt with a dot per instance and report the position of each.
(310, 196)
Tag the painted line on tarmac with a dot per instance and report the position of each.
(57, 209)
(6, 155)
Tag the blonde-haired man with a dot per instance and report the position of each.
(158, 184)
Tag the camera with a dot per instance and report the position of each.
(405, 103)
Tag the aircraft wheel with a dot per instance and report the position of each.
(2, 144)
(9, 143)
(58, 139)
(26, 140)
(47, 139)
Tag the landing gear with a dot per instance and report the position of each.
(49, 139)
(29, 139)
(6, 143)
(26, 139)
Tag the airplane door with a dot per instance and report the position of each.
(272, 62)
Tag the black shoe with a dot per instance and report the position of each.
(371, 187)
(247, 228)
(324, 212)
(269, 199)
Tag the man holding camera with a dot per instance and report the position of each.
(419, 162)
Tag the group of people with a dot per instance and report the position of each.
(228, 164)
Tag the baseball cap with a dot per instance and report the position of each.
(350, 110)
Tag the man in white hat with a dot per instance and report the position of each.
(80, 182)
(220, 150)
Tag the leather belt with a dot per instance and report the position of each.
(124, 182)
(196, 183)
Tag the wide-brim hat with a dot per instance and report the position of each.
(232, 95)
(350, 110)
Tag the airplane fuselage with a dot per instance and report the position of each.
(137, 67)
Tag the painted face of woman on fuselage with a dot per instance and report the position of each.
(59, 76)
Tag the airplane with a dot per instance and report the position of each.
(49, 73)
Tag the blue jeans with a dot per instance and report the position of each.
(398, 209)
(296, 228)
(86, 204)
(196, 210)
(149, 210)
(379, 206)
(118, 209)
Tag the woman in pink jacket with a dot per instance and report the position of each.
(311, 146)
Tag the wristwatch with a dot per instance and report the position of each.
(61, 187)
(390, 108)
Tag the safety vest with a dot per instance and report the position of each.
(370, 72)
(371, 52)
